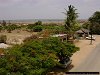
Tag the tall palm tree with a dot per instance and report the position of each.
(71, 20)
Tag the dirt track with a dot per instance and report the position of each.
(85, 50)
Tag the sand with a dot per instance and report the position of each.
(85, 50)
(15, 37)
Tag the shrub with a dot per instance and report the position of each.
(35, 57)
(3, 38)
(37, 28)
(1, 28)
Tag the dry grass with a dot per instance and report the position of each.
(16, 37)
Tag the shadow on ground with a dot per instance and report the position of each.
(60, 71)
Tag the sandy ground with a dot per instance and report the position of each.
(16, 37)
(85, 50)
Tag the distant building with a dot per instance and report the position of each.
(83, 33)
(63, 37)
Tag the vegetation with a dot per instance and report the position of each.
(1, 28)
(71, 20)
(35, 57)
(4, 23)
(54, 28)
(95, 23)
(86, 25)
(11, 27)
(36, 27)
(33, 37)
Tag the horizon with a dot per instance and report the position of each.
(37, 19)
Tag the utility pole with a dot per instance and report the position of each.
(91, 38)
(91, 33)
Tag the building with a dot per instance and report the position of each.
(63, 37)
(83, 33)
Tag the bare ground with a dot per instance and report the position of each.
(85, 50)
(16, 37)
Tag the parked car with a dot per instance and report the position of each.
(65, 63)
(89, 37)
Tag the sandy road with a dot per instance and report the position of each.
(91, 63)
(88, 56)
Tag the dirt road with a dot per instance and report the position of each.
(87, 54)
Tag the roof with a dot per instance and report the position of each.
(59, 35)
(83, 31)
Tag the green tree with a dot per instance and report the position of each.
(38, 23)
(37, 26)
(71, 19)
(86, 25)
(11, 27)
(95, 22)
(1, 28)
(35, 57)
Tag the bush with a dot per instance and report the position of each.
(1, 28)
(3, 38)
(37, 28)
(35, 57)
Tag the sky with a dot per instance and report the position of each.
(45, 9)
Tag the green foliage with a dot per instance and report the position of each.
(36, 27)
(35, 57)
(95, 23)
(30, 27)
(38, 23)
(3, 38)
(55, 29)
(71, 21)
(1, 28)
(86, 25)
(11, 27)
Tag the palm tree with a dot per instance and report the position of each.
(71, 20)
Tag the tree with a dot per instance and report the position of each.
(95, 23)
(11, 27)
(38, 23)
(37, 26)
(1, 28)
(71, 19)
(35, 57)
(86, 25)
(4, 23)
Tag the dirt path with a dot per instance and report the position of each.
(85, 50)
